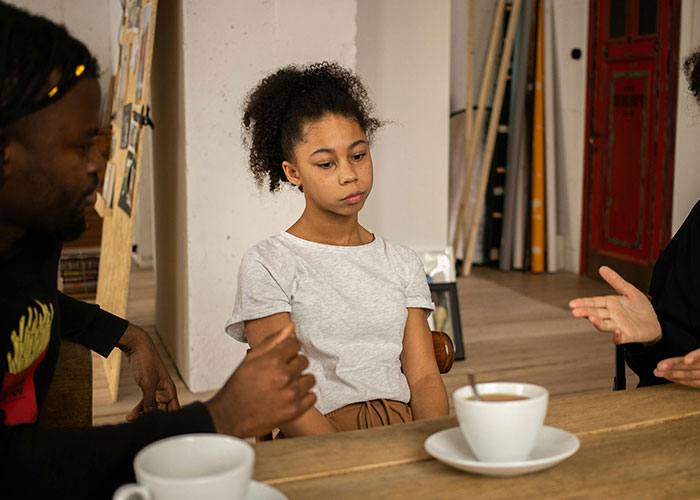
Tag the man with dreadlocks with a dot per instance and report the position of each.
(49, 107)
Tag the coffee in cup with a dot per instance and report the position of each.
(204, 466)
(503, 426)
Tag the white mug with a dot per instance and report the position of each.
(192, 466)
(501, 431)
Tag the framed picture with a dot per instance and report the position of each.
(126, 126)
(446, 315)
(126, 194)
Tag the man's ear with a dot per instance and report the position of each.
(292, 173)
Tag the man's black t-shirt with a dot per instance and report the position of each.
(34, 317)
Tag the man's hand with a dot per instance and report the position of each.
(682, 370)
(629, 315)
(266, 390)
(150, 373)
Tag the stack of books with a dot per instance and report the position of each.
(77, 275)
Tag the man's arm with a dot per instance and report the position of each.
(265, 391)
(101, 331)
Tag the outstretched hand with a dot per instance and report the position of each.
(682, 370)
(149, 372)
(629, 315)
(266, 390)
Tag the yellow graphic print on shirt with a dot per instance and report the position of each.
(31, 338)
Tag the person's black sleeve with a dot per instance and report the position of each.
(675, 295)
(89, 325)
(85, 463)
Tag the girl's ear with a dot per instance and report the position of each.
(291, 172)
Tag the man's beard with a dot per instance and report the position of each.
(73, 230)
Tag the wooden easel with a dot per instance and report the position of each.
(117, 207)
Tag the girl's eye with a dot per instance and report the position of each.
(328, 164)
(358, 156)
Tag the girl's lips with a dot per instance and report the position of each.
(353, 198)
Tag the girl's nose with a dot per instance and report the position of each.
(347, 173)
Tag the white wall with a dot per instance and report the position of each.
(686, 179)
(227, 48)
(403, 56)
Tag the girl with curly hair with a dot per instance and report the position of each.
(359, 301)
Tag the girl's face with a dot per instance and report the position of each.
(333, 165)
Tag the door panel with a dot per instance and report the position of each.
(631, 99)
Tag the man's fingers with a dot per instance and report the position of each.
(589, 302)
(692, 357)
(616, 281)
(306, 403)
(149, 397)
(669, 363)
(286, 350)
(306, 382)
(272, 341)
(135, 412)
(677, 375)
(297, 365)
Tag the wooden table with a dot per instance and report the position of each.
(639, 443)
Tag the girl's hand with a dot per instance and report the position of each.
(629, 315)
(682, 370)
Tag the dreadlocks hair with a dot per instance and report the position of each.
(31, 47)
(277, 109)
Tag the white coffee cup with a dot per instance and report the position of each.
(501, 431)
(192, 466)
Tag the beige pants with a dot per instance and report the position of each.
(368, 414)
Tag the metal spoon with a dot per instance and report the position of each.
(472, 382)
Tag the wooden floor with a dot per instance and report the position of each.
(515, 326)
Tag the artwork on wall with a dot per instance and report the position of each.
(126, 126)
(134, 131)
(133, 16)
(145, 38)
(126, 195)
(108, 186)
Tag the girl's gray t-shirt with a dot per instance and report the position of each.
(349, 305)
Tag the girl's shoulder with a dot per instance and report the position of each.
(401, 256)
(272, 252)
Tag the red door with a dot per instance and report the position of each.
(630, 140)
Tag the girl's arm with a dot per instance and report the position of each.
(428, 394)
(311, 422)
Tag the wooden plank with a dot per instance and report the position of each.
(463, 217)
(491, 135)
(118, 225)
(550, 128)
(656, 461)
(304, 460)
(537, 215)
(515, 138)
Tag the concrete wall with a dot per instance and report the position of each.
(403, 56)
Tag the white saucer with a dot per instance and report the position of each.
(551, 447)
(261, 491)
